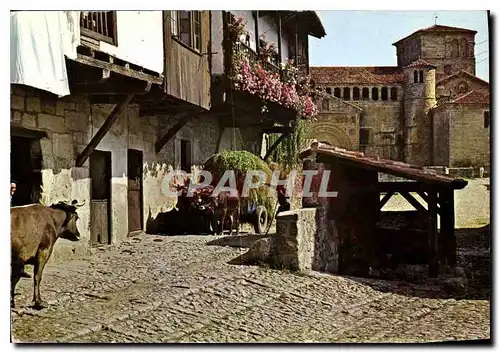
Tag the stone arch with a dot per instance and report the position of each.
(336, 92)
(333, 135)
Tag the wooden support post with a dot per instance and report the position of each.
(385, 199)
(280, 58)
(274, 145)
(113, 116)
(257, 41)
(184, 118)
(447, 233)
(433, 236)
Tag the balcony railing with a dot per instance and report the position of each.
(99, 25)
(254, 57)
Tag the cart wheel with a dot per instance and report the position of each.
(260, 221)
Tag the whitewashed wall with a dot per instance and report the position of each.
(140, 39)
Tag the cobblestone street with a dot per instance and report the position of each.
(179, 289)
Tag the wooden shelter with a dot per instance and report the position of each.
(356, 217)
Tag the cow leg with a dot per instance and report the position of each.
(231, 223)
(15, 276)
(41, 260)
(222, 219)
(237, 220)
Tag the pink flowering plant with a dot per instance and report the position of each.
(252, 77)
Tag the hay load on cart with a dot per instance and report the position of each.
(257, 208)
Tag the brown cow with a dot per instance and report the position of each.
(228, 207)
(35, 229)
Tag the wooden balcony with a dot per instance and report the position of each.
(255, 58)
(99, 25)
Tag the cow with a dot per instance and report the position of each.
(221, 208)
(34, 231)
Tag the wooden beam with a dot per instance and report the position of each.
(275, 144)
(86, 60)
(413, 201)
(111, 119)
(280, 57)
(184, 118)
(398, 186)
(109, 88)
(278, 130)
(447, 232)
(385, 199)
(433, 235)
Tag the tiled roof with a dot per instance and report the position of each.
(438, 28)
(356, 74)
(387, 166)
(420, 63)
(461, 73)
(474, 97)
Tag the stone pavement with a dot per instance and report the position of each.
(179, 289)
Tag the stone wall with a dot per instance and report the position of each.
(469, 139)
(70, 123)
(437, 48)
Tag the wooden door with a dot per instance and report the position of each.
(100, 204)
(134, 195)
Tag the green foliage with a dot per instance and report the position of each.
(286, 153)
(241, 162)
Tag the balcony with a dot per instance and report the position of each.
(99, 25)
(242, 49)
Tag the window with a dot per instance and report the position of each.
(328, 90)
(186, 156)
(486, 119)
(463, 48)
(186, 26)
(385, 93)
(415, 76)
(336, 92)
(364, 136)
(454, 48)
(421, 74)
(375, 93)
(325, 105)
(347, 93)
(99, 25)
(355, 94)
(447, 69)
(394, 94)
(366, 93)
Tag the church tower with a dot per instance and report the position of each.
(419, 98)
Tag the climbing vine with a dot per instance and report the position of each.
(286, 154)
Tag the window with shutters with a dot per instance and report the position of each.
(186, 27)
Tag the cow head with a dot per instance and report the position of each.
(69, 227)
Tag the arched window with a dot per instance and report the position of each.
(347, 93)
(415, 76)
(375, 93)
(366, 93)
(463, 48)
(355, 94)
(325, 105)
(384, 94)
(328, 90)
(421, 74)
(336, 92)
(394, 94)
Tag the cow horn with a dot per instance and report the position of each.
(76, 204)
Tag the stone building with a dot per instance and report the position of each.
(430, 109)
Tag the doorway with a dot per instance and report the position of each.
(100, 204)
(25, 169)
(134, 194)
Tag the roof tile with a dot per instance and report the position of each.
(357, 74)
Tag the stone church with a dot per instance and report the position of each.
(430, 109)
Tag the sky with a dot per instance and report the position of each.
(364, 38)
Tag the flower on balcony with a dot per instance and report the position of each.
(236, 27)
(252, 77)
